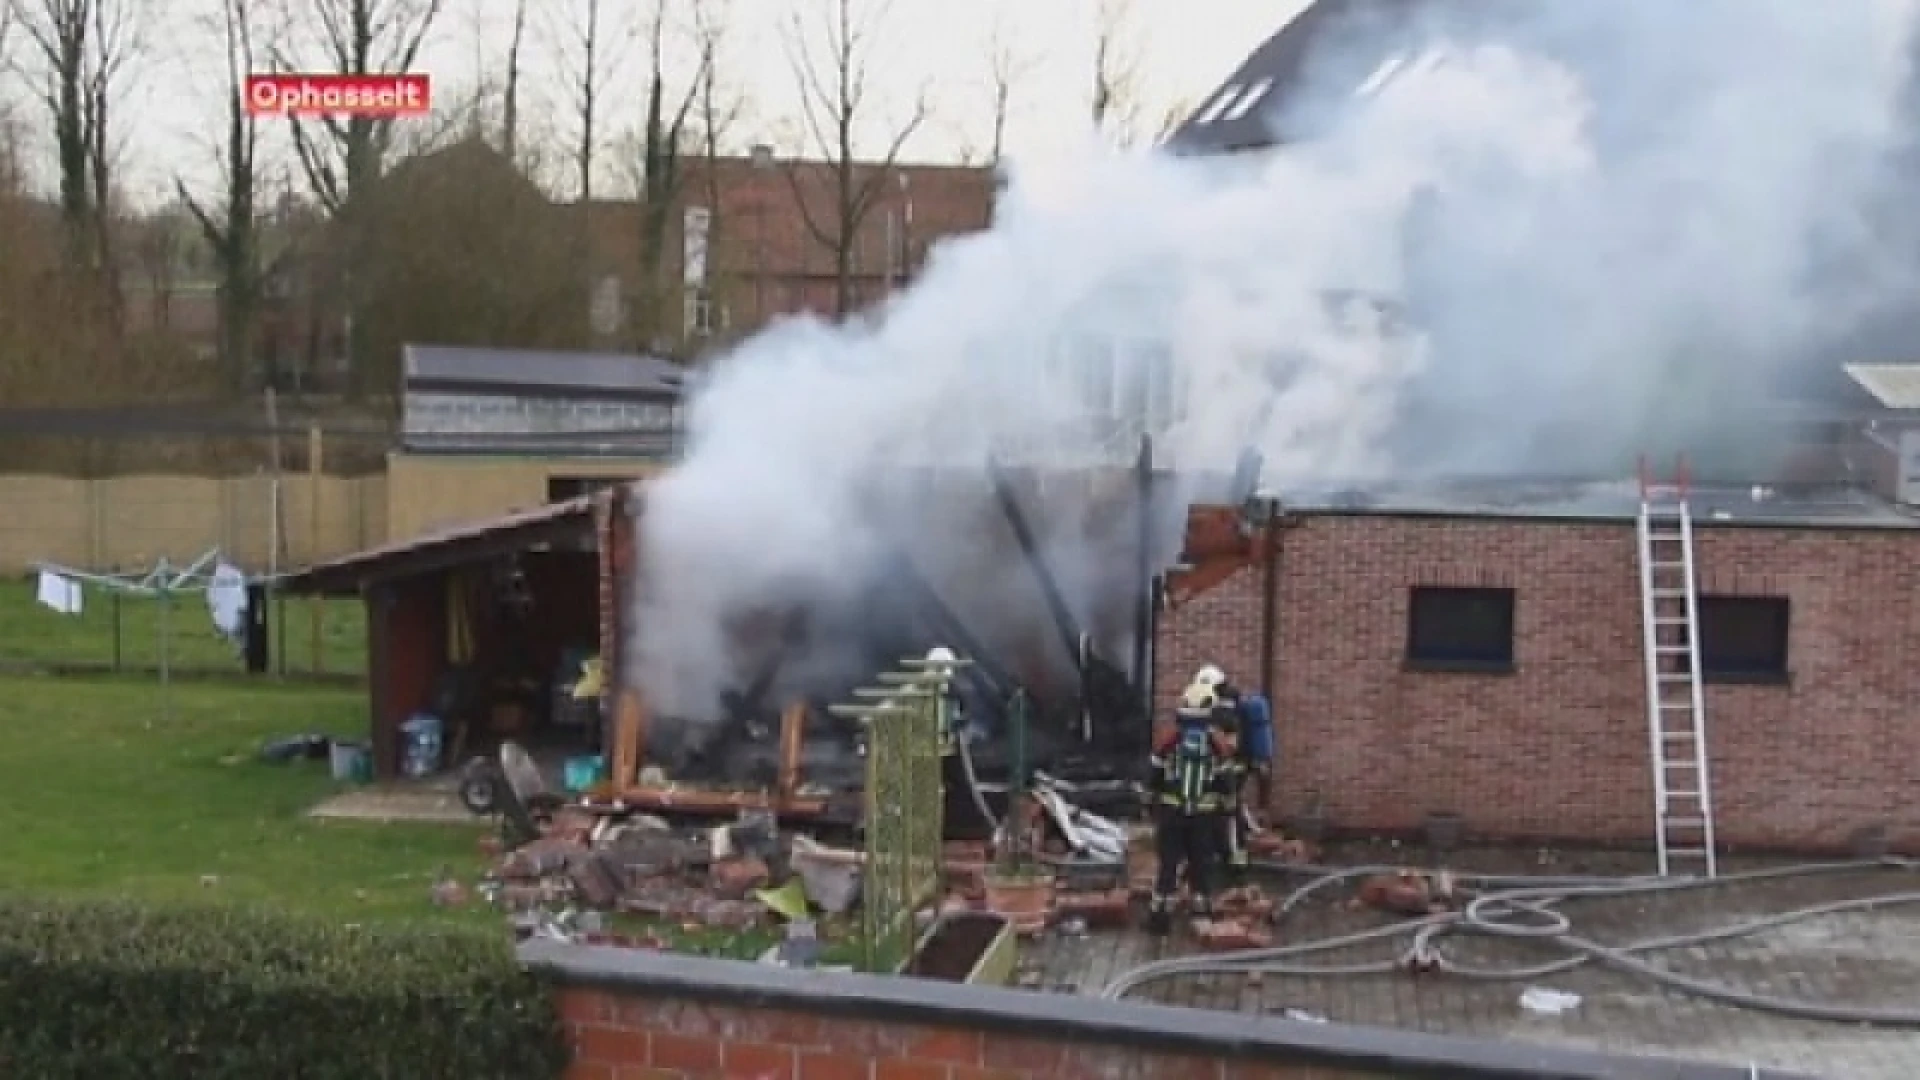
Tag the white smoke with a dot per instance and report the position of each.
(1597, 209)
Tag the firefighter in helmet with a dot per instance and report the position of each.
(1250, 720)
(1192, 775)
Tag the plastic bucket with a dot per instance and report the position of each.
(349, 761)
(581, 773)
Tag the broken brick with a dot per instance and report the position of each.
(1104, 908)
(597, 882)
(1229, 935)
(544, 857)
(733, 879)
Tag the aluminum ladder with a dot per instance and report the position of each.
(1676, 699)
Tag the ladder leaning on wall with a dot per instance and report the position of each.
(1676, 700)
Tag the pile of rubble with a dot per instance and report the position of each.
(1059, 868)
(731, 877)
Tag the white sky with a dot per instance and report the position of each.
(1186, 47)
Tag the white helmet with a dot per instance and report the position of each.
(1198, 701)
(1209, 676)
(940, 661)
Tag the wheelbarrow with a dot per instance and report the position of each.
(512, 787)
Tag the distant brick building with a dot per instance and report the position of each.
(763, 223)
(1448, 653)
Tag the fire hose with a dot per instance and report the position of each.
(1523, 907)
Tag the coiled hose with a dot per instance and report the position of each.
(1523, 907)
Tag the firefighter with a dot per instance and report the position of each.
(1192, 774)
(962, 815)
(1250, 720)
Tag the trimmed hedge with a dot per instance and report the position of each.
(105, 989)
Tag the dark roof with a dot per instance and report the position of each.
(1332, 46)
(1275, 72)
(560, 522)
(537, 372)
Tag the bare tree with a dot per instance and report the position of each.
(718, 110)
(1007, 68)
(588, 58)
(85, 47)
(831, 57)
(510, 97)
(663, 136)
(1115, 103)
(344, 159)
(230, 224)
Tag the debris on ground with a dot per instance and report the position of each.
(752, 876)
(1544, 1002)
(1411, 893)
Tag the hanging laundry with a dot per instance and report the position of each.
(60, 593)
(227, 600)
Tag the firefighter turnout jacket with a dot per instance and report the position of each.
(1195, 770)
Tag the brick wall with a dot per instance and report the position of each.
(627, 1037)
(636, 1014)
(1558, 749)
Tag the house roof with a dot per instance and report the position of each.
(1237, 115)
(540, 373)
(1895, 386)
(560, 522)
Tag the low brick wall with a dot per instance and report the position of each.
(642, 1015)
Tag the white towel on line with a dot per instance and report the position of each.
(60, 593)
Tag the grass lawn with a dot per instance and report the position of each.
(32, 636)
(99, 794)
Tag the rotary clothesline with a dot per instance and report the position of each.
(224, 586)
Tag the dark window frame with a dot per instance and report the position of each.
(1762, 627)
(1441, 636)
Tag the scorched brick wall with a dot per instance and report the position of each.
(1558, 749)
(625, 1037)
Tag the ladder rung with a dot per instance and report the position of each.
(1686, 823)
(1691, 852)
(1671, 620)
(1669, 594)
(1676, 736)
(1673, 650)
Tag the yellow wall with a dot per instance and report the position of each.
(430, 492)
(133, 521)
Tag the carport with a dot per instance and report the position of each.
(485, 625)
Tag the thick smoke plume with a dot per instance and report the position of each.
(1556, 238)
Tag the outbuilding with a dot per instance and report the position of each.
(1479, 651)
(487, 626)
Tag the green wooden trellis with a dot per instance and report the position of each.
(904, 802)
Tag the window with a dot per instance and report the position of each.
(562, 488)
(1452, 629)
(1743, 638)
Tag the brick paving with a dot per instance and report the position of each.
(1869, 959)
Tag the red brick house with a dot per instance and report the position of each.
(763, 256)
(1453, 654)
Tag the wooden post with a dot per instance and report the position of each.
(793, 720)
(629, 739)
(316, 472)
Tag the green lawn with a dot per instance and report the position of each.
(101, 794)
(32, 636)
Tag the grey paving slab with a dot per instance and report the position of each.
(1865, 959)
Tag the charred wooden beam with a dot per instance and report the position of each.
(1063, 620)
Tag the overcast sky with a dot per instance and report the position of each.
(1185, 47)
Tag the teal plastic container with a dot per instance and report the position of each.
(581, 773)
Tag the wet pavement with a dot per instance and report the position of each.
(1862, 959)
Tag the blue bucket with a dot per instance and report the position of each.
(581, 773)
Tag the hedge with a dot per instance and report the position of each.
(107, 989)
